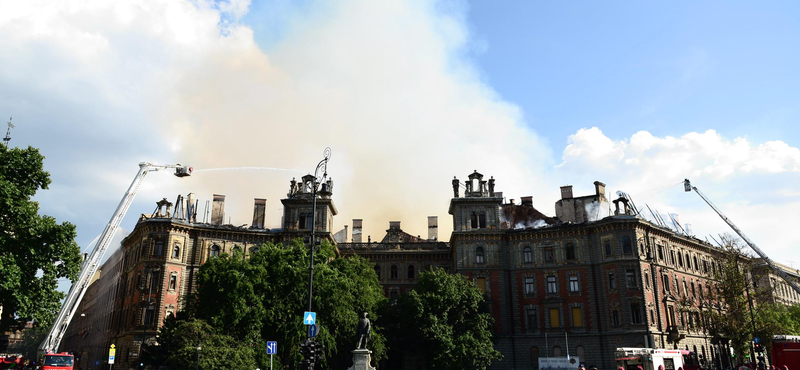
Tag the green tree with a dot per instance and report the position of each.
(731, 318)
(35, 251)
(452, 328)
(262, 298)
(178, 341)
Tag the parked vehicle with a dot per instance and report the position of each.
(786, 351)
(651, 359)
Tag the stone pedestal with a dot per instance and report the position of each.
(361, 360)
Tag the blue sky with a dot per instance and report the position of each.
(668, 68)
(408, 94)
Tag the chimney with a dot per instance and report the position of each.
(527, 201)
(433, 228)
(599, 189)
(218, 210)
(357, 230)
(191, 208)
(566, 192)
(259, 211)
(394, 225)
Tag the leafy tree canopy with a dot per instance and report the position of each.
(179, 340)
(262, 298)
(452, 328)
(35, 251)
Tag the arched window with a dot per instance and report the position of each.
(394, 272)
(688, 261)
(556, 351)
(378, 271)
(570, 251)
(176, 251)
(581, 352)
(479, 256)
(626, 245)
(474, 220)
(535, 357)
(607, 249)
(411, 272)
(214, 250)
(527, 255)
(482, 220)
(237, 249)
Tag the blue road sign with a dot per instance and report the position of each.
(272, 348)
(756, 340)
(313, 330)
(309, 318)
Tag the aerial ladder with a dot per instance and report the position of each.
(92, 262)
(687, 186)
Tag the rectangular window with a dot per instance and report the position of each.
(577, 318)
(570, 252)
(671, 317)
(607, 249)
(148, 315)
(555, 321)
(630, 278)
(666, 283)
(615, 317)
(694, 292)
(173, 282)
(574, 286)
(612, 281)
(660, 253)
(552, 287)
(529, 286)
(159, 248)
(647, 280)
(549, 256)
(533, 323)
(636, 314)
(527, 255)
(482, 285)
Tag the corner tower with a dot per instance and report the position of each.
(298, 205)
(477, 245)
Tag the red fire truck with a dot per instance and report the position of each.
(58, 361)
(653, 359)
(786, 351)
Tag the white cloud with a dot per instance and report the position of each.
(750, 183)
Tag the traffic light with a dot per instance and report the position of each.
(319, 351)
(758, 347)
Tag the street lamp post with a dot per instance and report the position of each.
(197, 365)
(323, 164)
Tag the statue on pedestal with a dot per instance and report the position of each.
(363, 331)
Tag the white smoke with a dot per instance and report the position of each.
(536, 224)
(596, 210)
